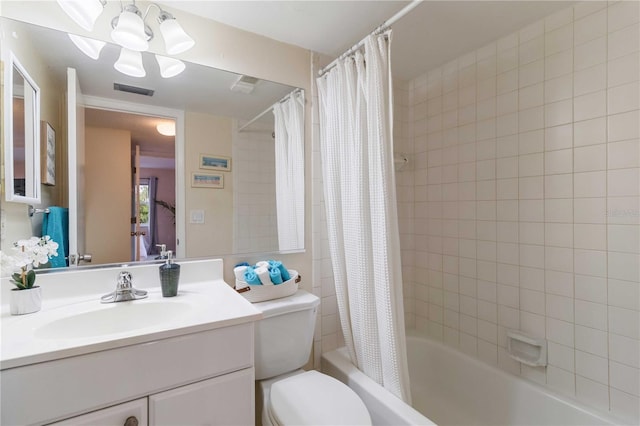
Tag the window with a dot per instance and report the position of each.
(143, 197)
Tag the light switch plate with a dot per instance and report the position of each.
(196, 216)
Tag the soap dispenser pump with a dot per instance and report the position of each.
(163, 251)
(169, 276)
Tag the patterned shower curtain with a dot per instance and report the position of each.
(362, 220)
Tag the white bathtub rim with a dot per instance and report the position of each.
(604, 417)
(355, 378)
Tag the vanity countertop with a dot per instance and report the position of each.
(75, 325)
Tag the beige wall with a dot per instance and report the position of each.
(16, 224)
(208, 134)
(108, 194)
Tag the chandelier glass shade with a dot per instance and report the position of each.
(176, 39)
(130, 63)
(169, 67)
(129, 30)
(83, 12)
(88, 46)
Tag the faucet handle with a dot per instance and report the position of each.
(124, 280)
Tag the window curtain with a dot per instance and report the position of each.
(153, 222)
(359, 186)
(289, 152)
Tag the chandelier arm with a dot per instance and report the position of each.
(160, 10)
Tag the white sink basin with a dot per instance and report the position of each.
(112, 319)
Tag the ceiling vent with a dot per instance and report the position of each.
(244, 84)
(132, 89)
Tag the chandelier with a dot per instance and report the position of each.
(132, 33)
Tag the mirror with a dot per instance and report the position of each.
(239, 216)
(22, 133)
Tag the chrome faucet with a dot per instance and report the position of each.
(124, 290)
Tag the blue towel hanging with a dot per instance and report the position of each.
(56, 225)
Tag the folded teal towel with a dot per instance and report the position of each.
(284, 273)
(275, 275)
(251, 277)
(55, 224)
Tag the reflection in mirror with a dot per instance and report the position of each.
(19, 165)
(22, 141)
(210, 105)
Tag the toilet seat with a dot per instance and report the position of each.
(313, 398)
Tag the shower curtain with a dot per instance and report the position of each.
(289, 151)
(359, 187)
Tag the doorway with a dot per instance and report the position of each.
(130, 186)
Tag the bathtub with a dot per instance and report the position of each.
(452, 388)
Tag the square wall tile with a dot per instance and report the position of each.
(623, 182)
(590, 132)
(592, 392)
(590, 184)
(591, 53)
(624, 41)
(624, 294)
(622, 14)
(623, 70)
(623, 98)
(591, 289)
(558, 137)
(558, 234)
(589, 314)
(590, 27)
(590, 80)
(590, 262)
(592, 367)
(592, 105)
(622, 155)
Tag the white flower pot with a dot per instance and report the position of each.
(25, 301)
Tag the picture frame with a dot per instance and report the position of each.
(215, 162)
(207, 180)
(48, 153)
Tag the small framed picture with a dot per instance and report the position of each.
(48, 153)
(215, 162)
(207, 180)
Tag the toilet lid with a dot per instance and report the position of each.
(312, 398)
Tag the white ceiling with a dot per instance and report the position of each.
(433, 33)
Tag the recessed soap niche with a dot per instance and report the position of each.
(526, 349)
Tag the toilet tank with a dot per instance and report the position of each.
(284, 336)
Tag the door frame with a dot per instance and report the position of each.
(156, 111)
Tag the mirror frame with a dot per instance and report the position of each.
(32, 135)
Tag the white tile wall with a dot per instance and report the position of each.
(521, 209)
(254, 191)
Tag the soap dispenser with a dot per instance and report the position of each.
(169, 276)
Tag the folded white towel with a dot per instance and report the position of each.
(241, 284)
(262, 263)
(263, 274)
(239, 272)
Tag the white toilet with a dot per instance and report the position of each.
(286, 394)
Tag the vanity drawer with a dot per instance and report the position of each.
(89, 382)
(116, 415)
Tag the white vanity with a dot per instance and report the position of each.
(158, 361)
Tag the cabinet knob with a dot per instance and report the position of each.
(131, 421)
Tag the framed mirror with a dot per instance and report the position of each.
(221, 135)
(22, 133)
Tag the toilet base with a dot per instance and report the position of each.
(263, 391)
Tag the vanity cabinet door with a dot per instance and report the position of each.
(130, 413)
(223, 400)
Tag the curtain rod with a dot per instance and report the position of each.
(257, 117)
(381, 29)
